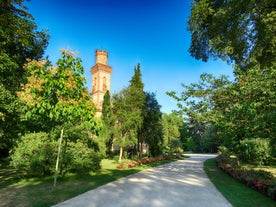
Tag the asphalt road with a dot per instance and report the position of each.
(181, 183)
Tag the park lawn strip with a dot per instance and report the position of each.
(38, 192)
(235, 192)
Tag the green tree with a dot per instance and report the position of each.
(128, 108)
(238, 110)
(125, 128)
(172, 124)
(57, 94)
(107, 108)
(237, 31)
(241, 32)
(187, 137)
(198, 105)
(19, 40)
(151, 130)
(248, 109)
(136, 96)
(209, 139)
(106, 132)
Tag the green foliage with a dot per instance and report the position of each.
(54, 95)
(256, 151)
(151, 130)
(107, 108)
(171, 124)
(128, 107)
(223, 150)
(125, 128)
(209, 140)
(198, 107)
(20, 40)
(237, 110)
(106, 132)
(237, 31)
(35, 154)
(81, 151)
(79, 157)
(136, 97)
(241, 32)
(189, 144)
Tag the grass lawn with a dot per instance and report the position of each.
(39, 192)
(235, 192)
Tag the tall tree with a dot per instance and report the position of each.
(242, 32)
(128, 108)
(19, 40)
(108, 122)
(57, 94)
(124, 129)
(137, 98)
(106, 109)
(151, 130)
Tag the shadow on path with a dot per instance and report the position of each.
(181, 183)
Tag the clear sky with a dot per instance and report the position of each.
(151, 32)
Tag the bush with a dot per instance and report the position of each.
(78, 157)
(223, 150)
(256, 151)
(35, 154)
(80, 152)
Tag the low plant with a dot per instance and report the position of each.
(260, 180)
(147, 160)
(234, 191)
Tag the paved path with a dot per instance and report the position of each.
(177, 184)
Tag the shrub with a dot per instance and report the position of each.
(80, 152)
(259, 180)
(78, 157)
(256, 151)
(223, 150)
(35, 154)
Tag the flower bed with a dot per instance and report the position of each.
(259, 180)
(131, 164)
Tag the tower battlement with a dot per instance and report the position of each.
(101, 57)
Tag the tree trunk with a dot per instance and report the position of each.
(141, 150)
(57, 162)
(121, 154)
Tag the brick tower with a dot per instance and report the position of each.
(101, 74)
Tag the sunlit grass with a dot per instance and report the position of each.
(235, 192)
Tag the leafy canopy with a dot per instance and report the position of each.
(242, 32)
(57, 94)
(19, 39)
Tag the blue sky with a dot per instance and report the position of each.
(151, 32)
